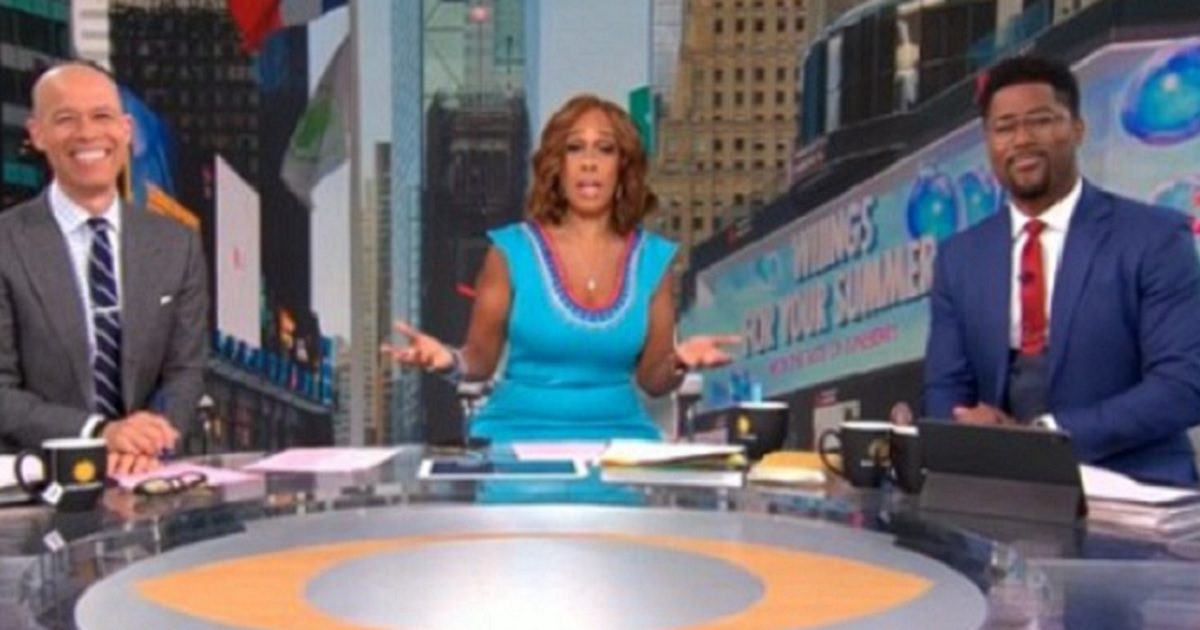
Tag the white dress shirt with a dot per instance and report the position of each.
(1057, 219)
(72, 222)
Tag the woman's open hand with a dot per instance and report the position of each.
(422, 351)
(705, 351)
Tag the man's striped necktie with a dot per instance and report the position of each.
(106, 317)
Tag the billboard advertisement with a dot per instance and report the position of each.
(238, 264)
(842, 290)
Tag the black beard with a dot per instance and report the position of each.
(1030, 192)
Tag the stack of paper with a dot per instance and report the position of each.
(646, 453)
(324, 460)
(789, 468)
(636, 461)
(1115, 499)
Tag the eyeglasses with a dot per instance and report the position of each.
(174, 484)
(1037, 125)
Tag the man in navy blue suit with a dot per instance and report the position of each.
(1074, 308)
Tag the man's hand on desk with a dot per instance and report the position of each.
(982, 414)
(140, 433)
(131, 464)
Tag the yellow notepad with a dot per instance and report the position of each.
(790, 467)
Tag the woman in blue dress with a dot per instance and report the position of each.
(579, 293)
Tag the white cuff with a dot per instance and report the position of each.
(92, 426)
(1045, 421)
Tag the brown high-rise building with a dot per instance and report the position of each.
(729, 123)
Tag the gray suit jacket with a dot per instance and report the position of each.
(45, 376)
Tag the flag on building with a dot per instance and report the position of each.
(319, 143)
(257, 19)
(153, 150)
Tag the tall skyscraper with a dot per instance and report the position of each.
(727, 130)
(666, 37)
(89, 31)
(33, 35)
(183, 58)
(341, 414)
(408, 95)
(477, 163)
(371, 304)
(457, 81)
(493, 55)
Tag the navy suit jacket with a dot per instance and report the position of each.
(1124, 348)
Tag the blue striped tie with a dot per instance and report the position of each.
(106, 316)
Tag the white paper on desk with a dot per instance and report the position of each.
(673, 477)
(318, 460)
(212, 476)
(538, 451)
(1158, 519)
(644, 452)
(1099, 483)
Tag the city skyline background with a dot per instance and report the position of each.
(339, 188)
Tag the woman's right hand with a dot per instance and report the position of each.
(422, 351)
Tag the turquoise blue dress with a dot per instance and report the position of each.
(569, 372)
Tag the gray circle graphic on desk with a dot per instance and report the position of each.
(524, 580)
(536, 566)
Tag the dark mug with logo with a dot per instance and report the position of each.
(760, 426)
(863, 446)
(908, 470)
(75, 470)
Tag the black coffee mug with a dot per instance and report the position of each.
(863, 446)
(907, 468)
(760, 427)
(75, 470)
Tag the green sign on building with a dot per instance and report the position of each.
(641, 109)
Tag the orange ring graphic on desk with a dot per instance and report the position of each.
(800, 589)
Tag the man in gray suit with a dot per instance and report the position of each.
(103, 307)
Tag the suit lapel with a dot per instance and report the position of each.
(43, 250)
(996, 261)
(139, 255)
(1087, 233)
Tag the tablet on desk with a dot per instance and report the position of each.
(1018, 472)
(482, 468)
(1004, 452)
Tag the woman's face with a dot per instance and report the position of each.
(591, 164)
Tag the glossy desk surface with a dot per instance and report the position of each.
(1025, 575)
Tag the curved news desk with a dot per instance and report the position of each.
(384, 549)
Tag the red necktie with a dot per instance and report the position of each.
(1032, 281)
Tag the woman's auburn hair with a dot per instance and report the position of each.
(547, 202)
